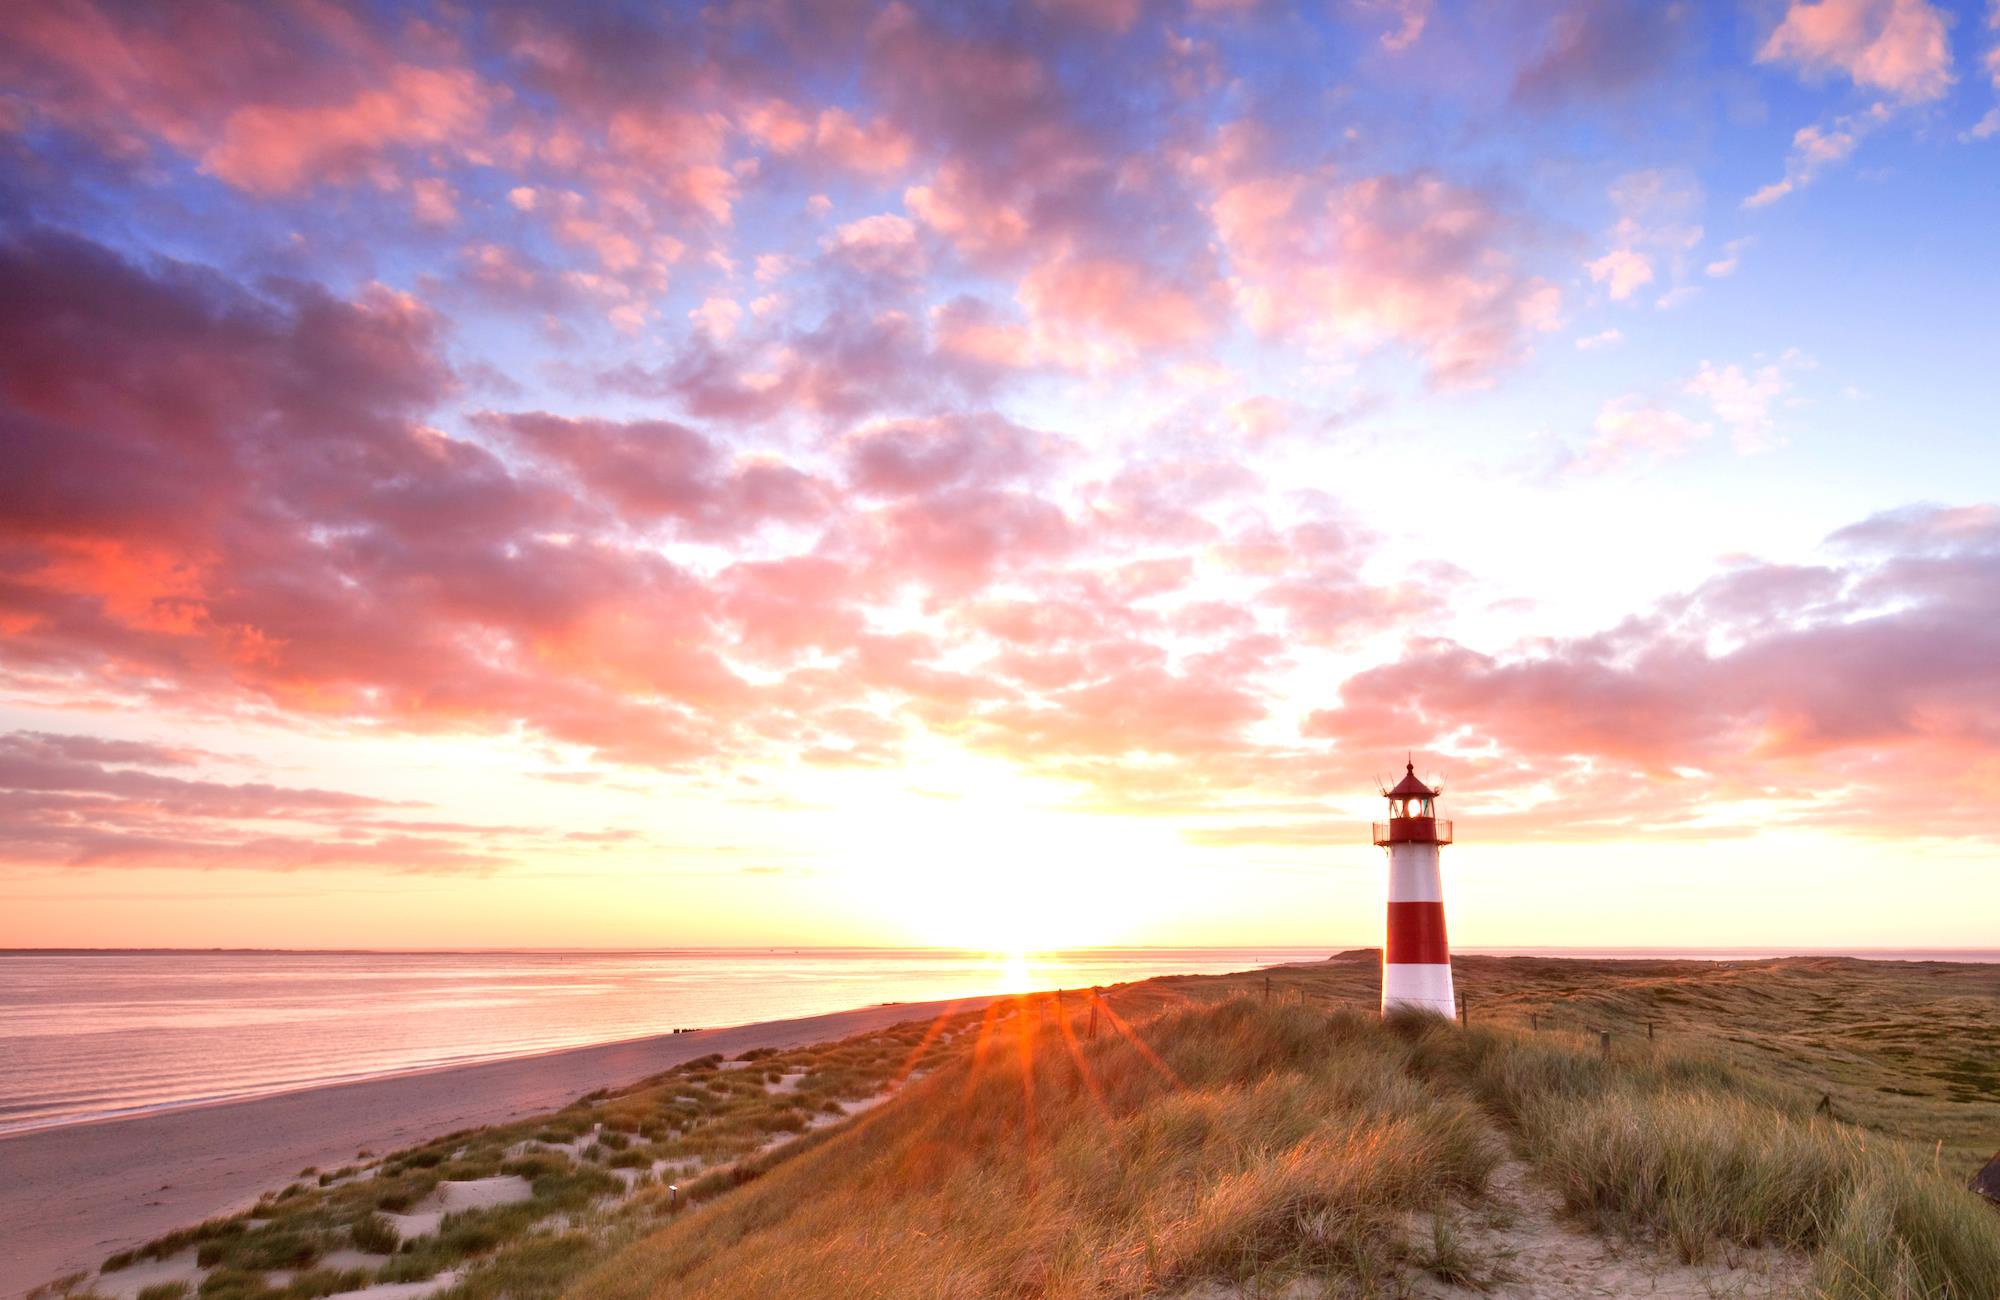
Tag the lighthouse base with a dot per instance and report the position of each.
(1420, 987)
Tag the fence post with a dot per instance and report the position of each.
(1267, 988)
(1534, 1021)
(1096, 995)
(1604, 1040)
(1649, 1030)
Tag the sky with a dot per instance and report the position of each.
(1007, 476)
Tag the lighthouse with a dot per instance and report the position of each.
(1416, 964)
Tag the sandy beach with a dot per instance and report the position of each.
(70, 1196)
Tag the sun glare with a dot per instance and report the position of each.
(980, 859)
(1016, 973)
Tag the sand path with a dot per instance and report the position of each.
(1537, 1255)
(71, 1196)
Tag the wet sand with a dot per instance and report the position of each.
(71, 1196)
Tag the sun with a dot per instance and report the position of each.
(995, 866)
(1016, 973)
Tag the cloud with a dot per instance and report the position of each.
(1816, 148)
(656, 470)
(1631, 428)
(1078, 302)
(1652, 429)
(1656, 219)
(1898, 47)
(1732, 254)
(273, 149)
(1407, 20)
(1622, 272)
(903, 457)
(1413, 259)
(88, 802)
(1598, 50)
(219, 492)
(884, 243)
(317, 549)
(1741, 399)
(1838, 695)
(1989, 126)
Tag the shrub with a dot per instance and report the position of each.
(375, 1234)
(1908, 1234)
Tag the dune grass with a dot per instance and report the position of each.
(1213, 1143)
(1248, 1145)
(1693, 1153)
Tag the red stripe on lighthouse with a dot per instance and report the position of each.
(1416, 934)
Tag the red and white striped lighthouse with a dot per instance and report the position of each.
(1416, 964)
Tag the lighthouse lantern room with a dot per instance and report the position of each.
(1416, 962)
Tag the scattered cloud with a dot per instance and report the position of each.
(1898, 47)
(1816, 148)
(1732, 256)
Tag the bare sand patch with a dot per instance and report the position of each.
(450, 1198)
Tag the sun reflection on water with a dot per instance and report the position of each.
(1015, 973)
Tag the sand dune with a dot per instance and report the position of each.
(71, 1196)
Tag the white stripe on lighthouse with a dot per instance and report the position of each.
(1426, 986)
(1413, 874)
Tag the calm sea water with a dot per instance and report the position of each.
(91, 1035)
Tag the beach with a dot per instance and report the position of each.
(71, 1196)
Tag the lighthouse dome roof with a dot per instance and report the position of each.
(1410, 787)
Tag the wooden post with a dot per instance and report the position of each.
(1534, 1021)
(1649, 1030)
(1096, 995)
(1604, 1040)
(1267, 988)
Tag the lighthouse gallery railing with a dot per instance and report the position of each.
(1414, 830)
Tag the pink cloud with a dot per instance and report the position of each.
(1414, 259)
(274, 149)
(905, 457)
(1084, 299)
(646, 470)
(83, 802)
(977, 224)
(1899, 47)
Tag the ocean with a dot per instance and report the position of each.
(86, 1036)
